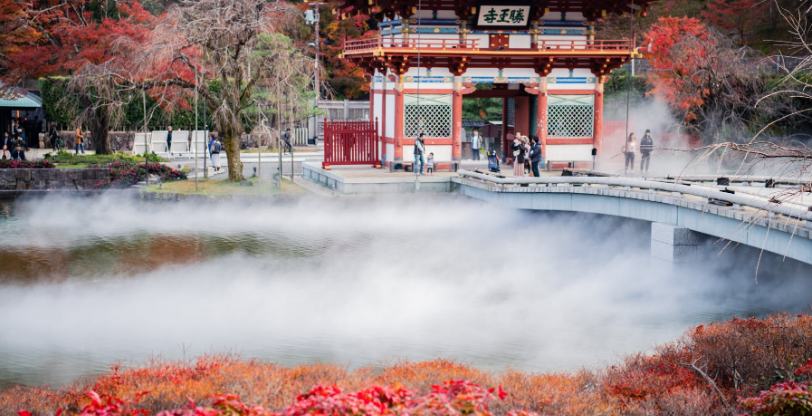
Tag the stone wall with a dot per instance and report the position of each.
(52, 179)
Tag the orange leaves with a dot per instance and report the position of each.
(741, 356)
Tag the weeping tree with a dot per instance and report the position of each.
(224, 49)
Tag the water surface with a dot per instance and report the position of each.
(364, 281)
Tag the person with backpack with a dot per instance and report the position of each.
(518, 157)
(419, 149)
(286, 140)
(215, 147)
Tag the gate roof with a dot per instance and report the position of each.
(591, 9)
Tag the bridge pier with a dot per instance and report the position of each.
(674, 244)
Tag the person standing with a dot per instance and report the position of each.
(535, 156)
(215, 147)
(419, 149)
(518, 157)
(80, 140)
(629, 150)
(169, 140)
(54, 138)
(286, 139)
(8, 143)
(646, 147)
(476, 144)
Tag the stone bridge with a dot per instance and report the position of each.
(775, 220)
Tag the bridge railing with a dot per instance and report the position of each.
(769, 205)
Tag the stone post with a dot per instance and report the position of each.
(674, 244)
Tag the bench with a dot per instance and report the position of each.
(445, 166)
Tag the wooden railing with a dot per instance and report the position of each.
(433, 44)
(584, 45)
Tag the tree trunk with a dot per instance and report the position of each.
(99, 127)
(232, 139)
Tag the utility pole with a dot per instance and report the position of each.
(194, 139)
(146, 128)
(317, 81)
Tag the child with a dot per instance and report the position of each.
(430, 164)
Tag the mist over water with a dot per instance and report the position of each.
(362, 281)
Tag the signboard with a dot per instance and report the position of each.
(502, 16)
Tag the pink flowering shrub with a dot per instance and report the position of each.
(452, 398)
(26, 164)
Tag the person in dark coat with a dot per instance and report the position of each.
(646, 147)
(535, 156)
(169, 139)
(519, 152)
(54, 137)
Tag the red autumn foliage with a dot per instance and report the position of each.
(673, 65)
(741, 357)
(48, 37)
(737, 16)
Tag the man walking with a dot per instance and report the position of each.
(535, 156)
(286, 139)
(476, 143)
(80, 145)
(646, 147)
(169, 140)
(419, 149)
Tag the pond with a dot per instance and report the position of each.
(88, 282)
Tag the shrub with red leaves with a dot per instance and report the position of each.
(791, 398)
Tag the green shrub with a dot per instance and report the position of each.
(67, 158)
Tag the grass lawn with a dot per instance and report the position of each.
(216, 187)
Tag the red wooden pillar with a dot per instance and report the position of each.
(504, 129)
(384, 116)
(398, 126)
(456, 126)
(541, 113)
(597, 132)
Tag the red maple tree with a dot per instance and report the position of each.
(735, 16)
(42, 38)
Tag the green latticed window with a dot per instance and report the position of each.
(570, 116)
(429, 114)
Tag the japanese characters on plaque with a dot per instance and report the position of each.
(503, 16)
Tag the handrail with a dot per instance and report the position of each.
(584, 45)
(410, 43)
(557, 46)
(759, 203)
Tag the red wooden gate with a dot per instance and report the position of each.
(351, 143)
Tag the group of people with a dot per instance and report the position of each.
(646, 147)
(527, 155)
(14, 146)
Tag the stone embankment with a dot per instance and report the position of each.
(53, 179)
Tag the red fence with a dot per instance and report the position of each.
(351, 143)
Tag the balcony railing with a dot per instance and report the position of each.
(430, 45)
(365, 45)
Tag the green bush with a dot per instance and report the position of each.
(66, 158)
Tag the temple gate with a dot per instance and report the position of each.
(540, 55)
